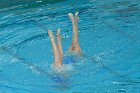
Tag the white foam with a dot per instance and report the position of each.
(14, 60)
(65, 67)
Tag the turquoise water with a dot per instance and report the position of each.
(109, 33)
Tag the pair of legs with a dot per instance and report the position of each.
(57, 48)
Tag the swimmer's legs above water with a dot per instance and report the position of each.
(57, 49)
(59, 44)
(75, 47)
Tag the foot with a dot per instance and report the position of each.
(76, 17)
(71, 16)
(51, 34)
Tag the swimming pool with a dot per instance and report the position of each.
(108, 34)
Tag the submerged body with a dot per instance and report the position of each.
(69, 59)
(61, 76)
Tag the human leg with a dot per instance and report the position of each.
(57, 58)
(59, 43)
(75, 47)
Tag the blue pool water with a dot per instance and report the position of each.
(109, 35)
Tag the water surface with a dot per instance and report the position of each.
(109, 33)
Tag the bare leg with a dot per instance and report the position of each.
(75, 44)
(59, 43)
(57, 58)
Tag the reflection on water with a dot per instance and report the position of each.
(61, 81)
(128, 10)
(26, 3)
